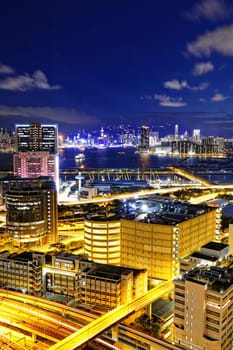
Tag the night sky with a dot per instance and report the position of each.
(92, 63)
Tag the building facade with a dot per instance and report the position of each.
(102, 239)
(22, 272)
(158, 241)
(108, 286)
(36, 151)
(32, 215)
(144, 139)
(203, 309)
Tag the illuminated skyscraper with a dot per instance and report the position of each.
(176, 132)
(196, 137)
(144, 139)
(32, 215)
(36, 151)
(36, 137)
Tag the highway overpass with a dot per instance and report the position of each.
(98, 326)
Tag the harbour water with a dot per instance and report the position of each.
(127, 158)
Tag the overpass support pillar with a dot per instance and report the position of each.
(149, 310)
(115, 333)
(34, 339)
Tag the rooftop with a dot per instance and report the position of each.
(217, 279)
(111, 272)
(215, 246)
(162, 210)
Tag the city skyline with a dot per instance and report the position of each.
(93, 64)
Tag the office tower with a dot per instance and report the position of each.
(31, 218)
(36, 151)
(182, 146)
(102, 239)
(144, 139)
(162, 238)
(196, 137)
(209, 145)
(153, 138)
(203, 309)
(176, 132)
(35, 137)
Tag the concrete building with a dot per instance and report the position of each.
(91, 285)
(107, 286)
(61, 274)
(31, 218)
(36, 151)
(15, 183)
(22, 272)
(102, 239)
(144, 139)
(158, 240)
(210, 254)
(88, 192)
(203, 309)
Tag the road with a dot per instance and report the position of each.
(106, 321)
(60, 326)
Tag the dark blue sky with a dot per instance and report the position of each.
(94, 63)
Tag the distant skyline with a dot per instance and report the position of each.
(87, 64)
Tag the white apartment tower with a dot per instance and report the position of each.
(203, 309)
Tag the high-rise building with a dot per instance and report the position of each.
(35, 137)
(144, 139)
(176, 132)
(36, 151)
(31, 218)
(196, 137)
(203, 309)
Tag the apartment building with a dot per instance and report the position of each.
(22, 272)
(108, 286)
(203, 309)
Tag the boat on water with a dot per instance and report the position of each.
(80, 156)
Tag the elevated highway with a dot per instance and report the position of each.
(189, 175)
(98, 326)
(40, 324)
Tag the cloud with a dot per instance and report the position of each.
(167, 101)
(219, 97)
(37, 80)
(219, 40)
(56, 114)
(176, 85)
(4, 69)
(200, 87)
(211, 10)
(203, 68)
